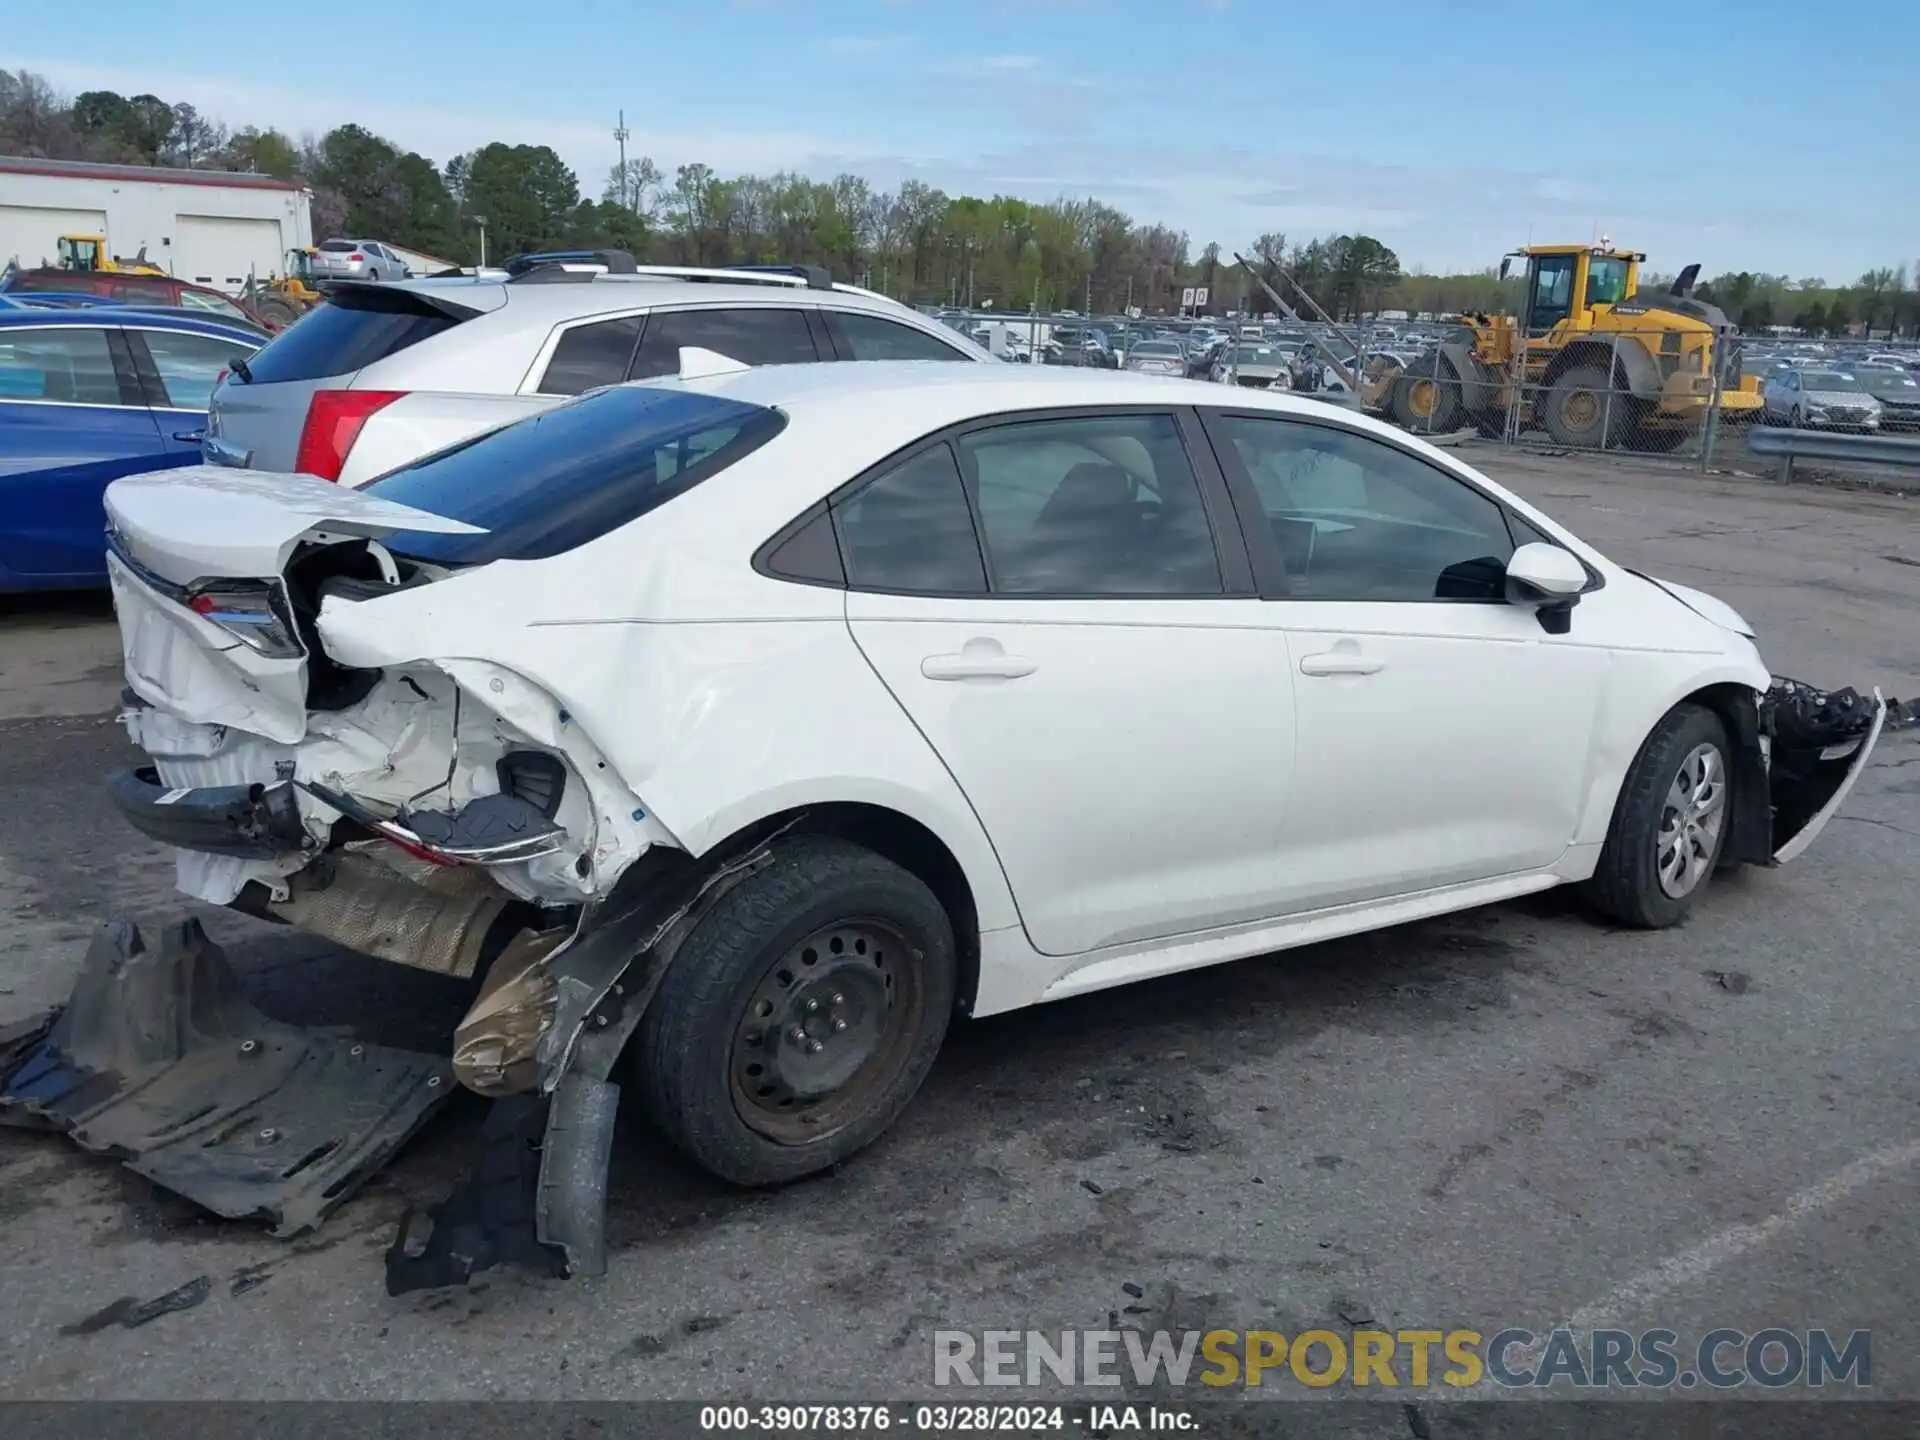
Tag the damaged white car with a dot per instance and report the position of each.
(744, 728)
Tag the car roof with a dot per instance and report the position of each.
(141, 317)
(603, 293)
(928, 394)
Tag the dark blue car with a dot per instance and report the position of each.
(86, 396)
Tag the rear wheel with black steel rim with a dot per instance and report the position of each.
(800, 1016)
(1669, 823)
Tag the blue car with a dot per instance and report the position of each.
(86, 396)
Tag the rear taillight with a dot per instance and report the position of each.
(334, 418)
(356, 255)
(249, 613)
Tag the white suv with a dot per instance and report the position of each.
(382, 374)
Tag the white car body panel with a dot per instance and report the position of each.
(1169, 784)
(1134, 782)
(194, 670)
(1456, 789)
(1005, 958)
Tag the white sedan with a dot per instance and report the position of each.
(751, 725)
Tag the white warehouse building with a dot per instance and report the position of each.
(209, 227)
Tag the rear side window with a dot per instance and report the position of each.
(337, 339)
(753, 337)
(589, 356)
(556, 481)
(66, 363)
(189, 366)
(868, 337)
(910, 530)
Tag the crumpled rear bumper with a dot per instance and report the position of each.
(251, 822)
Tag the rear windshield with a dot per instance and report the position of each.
(557, 480)
(338, 247)
(336, 339)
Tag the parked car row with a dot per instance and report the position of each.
(61, 288)
(1866, 398)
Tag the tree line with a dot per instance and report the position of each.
(916, 243)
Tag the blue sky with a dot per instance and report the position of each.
(1758, 134)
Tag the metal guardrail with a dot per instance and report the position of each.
(1789, 445)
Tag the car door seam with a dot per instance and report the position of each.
(846, 619)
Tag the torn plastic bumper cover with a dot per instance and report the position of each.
(544, 1035)
(159, 1060)
(1818, 743)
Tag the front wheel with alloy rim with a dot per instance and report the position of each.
(800, 1015)
(1669, 824)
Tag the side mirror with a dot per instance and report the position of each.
(1549, 579)
(1506, 264)
(1540, 574)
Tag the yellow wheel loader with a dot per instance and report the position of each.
(282, 299)
(1591, 360)
(88, 255)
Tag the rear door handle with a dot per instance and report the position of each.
(978, 660)
(189, 437)
(216, 451)
(1341, 662)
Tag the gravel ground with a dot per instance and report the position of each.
(1506, 1117)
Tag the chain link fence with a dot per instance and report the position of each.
(1636, 387)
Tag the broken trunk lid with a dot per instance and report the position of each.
(207, 521)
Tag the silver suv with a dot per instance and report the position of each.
(379, 375)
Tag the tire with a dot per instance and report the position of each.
(1628, 885)
(1579, 412)
(712, 1062)
(275, 311)
(1426, 398)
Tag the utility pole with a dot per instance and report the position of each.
(620, 134)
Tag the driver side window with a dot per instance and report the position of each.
(1354, 518)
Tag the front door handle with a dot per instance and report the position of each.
(1341, 662)
(978, 660)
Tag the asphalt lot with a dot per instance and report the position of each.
(1509, 1117)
